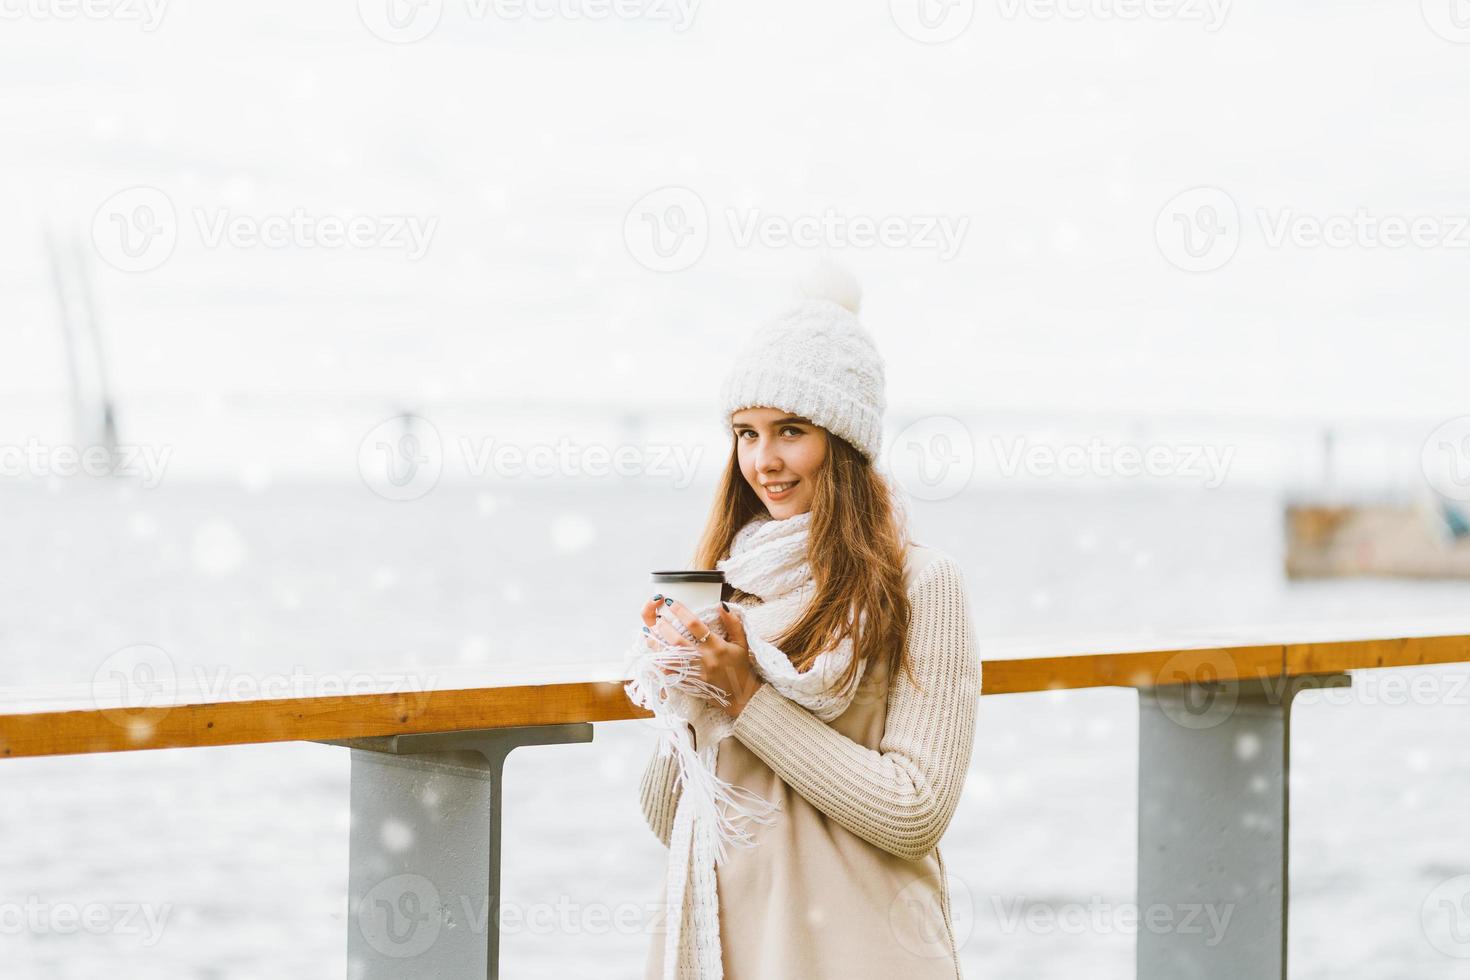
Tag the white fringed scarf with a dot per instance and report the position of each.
(768, 559)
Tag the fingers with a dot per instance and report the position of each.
(661, 635)
(670, 608)
(734, 628)
(681, 612)
(670, 635)
(656, 628)
(697, 627)
(659, 615)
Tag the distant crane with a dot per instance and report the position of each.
(93, 413)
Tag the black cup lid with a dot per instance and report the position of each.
(689, 575)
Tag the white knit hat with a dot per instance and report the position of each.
(815, 360)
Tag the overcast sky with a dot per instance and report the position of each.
(1027, 173)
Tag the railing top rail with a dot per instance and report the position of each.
(73, 719)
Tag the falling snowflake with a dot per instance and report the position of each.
(218, 548)
(572, 533)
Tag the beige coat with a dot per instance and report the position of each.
(848, 882)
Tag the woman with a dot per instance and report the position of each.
(845, 668)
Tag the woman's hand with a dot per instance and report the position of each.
(722, 663)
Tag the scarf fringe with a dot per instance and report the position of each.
(718, 804)
(724, 807)
(768, 560)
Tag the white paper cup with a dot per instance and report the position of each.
(694, 588)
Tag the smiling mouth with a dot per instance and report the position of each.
(776, 489)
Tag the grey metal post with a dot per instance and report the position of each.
(1213, 820)
(424, 862)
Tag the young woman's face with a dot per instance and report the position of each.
(777, 448)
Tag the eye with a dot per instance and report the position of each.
(794, 430)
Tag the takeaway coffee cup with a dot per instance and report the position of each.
(694, 588)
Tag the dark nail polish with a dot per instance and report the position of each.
(668, 602)
(658, 597)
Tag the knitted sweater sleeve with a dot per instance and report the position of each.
(659, 792)
(901, 797)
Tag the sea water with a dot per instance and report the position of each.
(232, 862)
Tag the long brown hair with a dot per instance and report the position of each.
(856, 551)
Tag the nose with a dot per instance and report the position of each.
(767, 458)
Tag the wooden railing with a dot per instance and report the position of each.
(67, 720)
(1200, 694)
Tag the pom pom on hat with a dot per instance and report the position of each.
(835, 283)
(815, 360)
